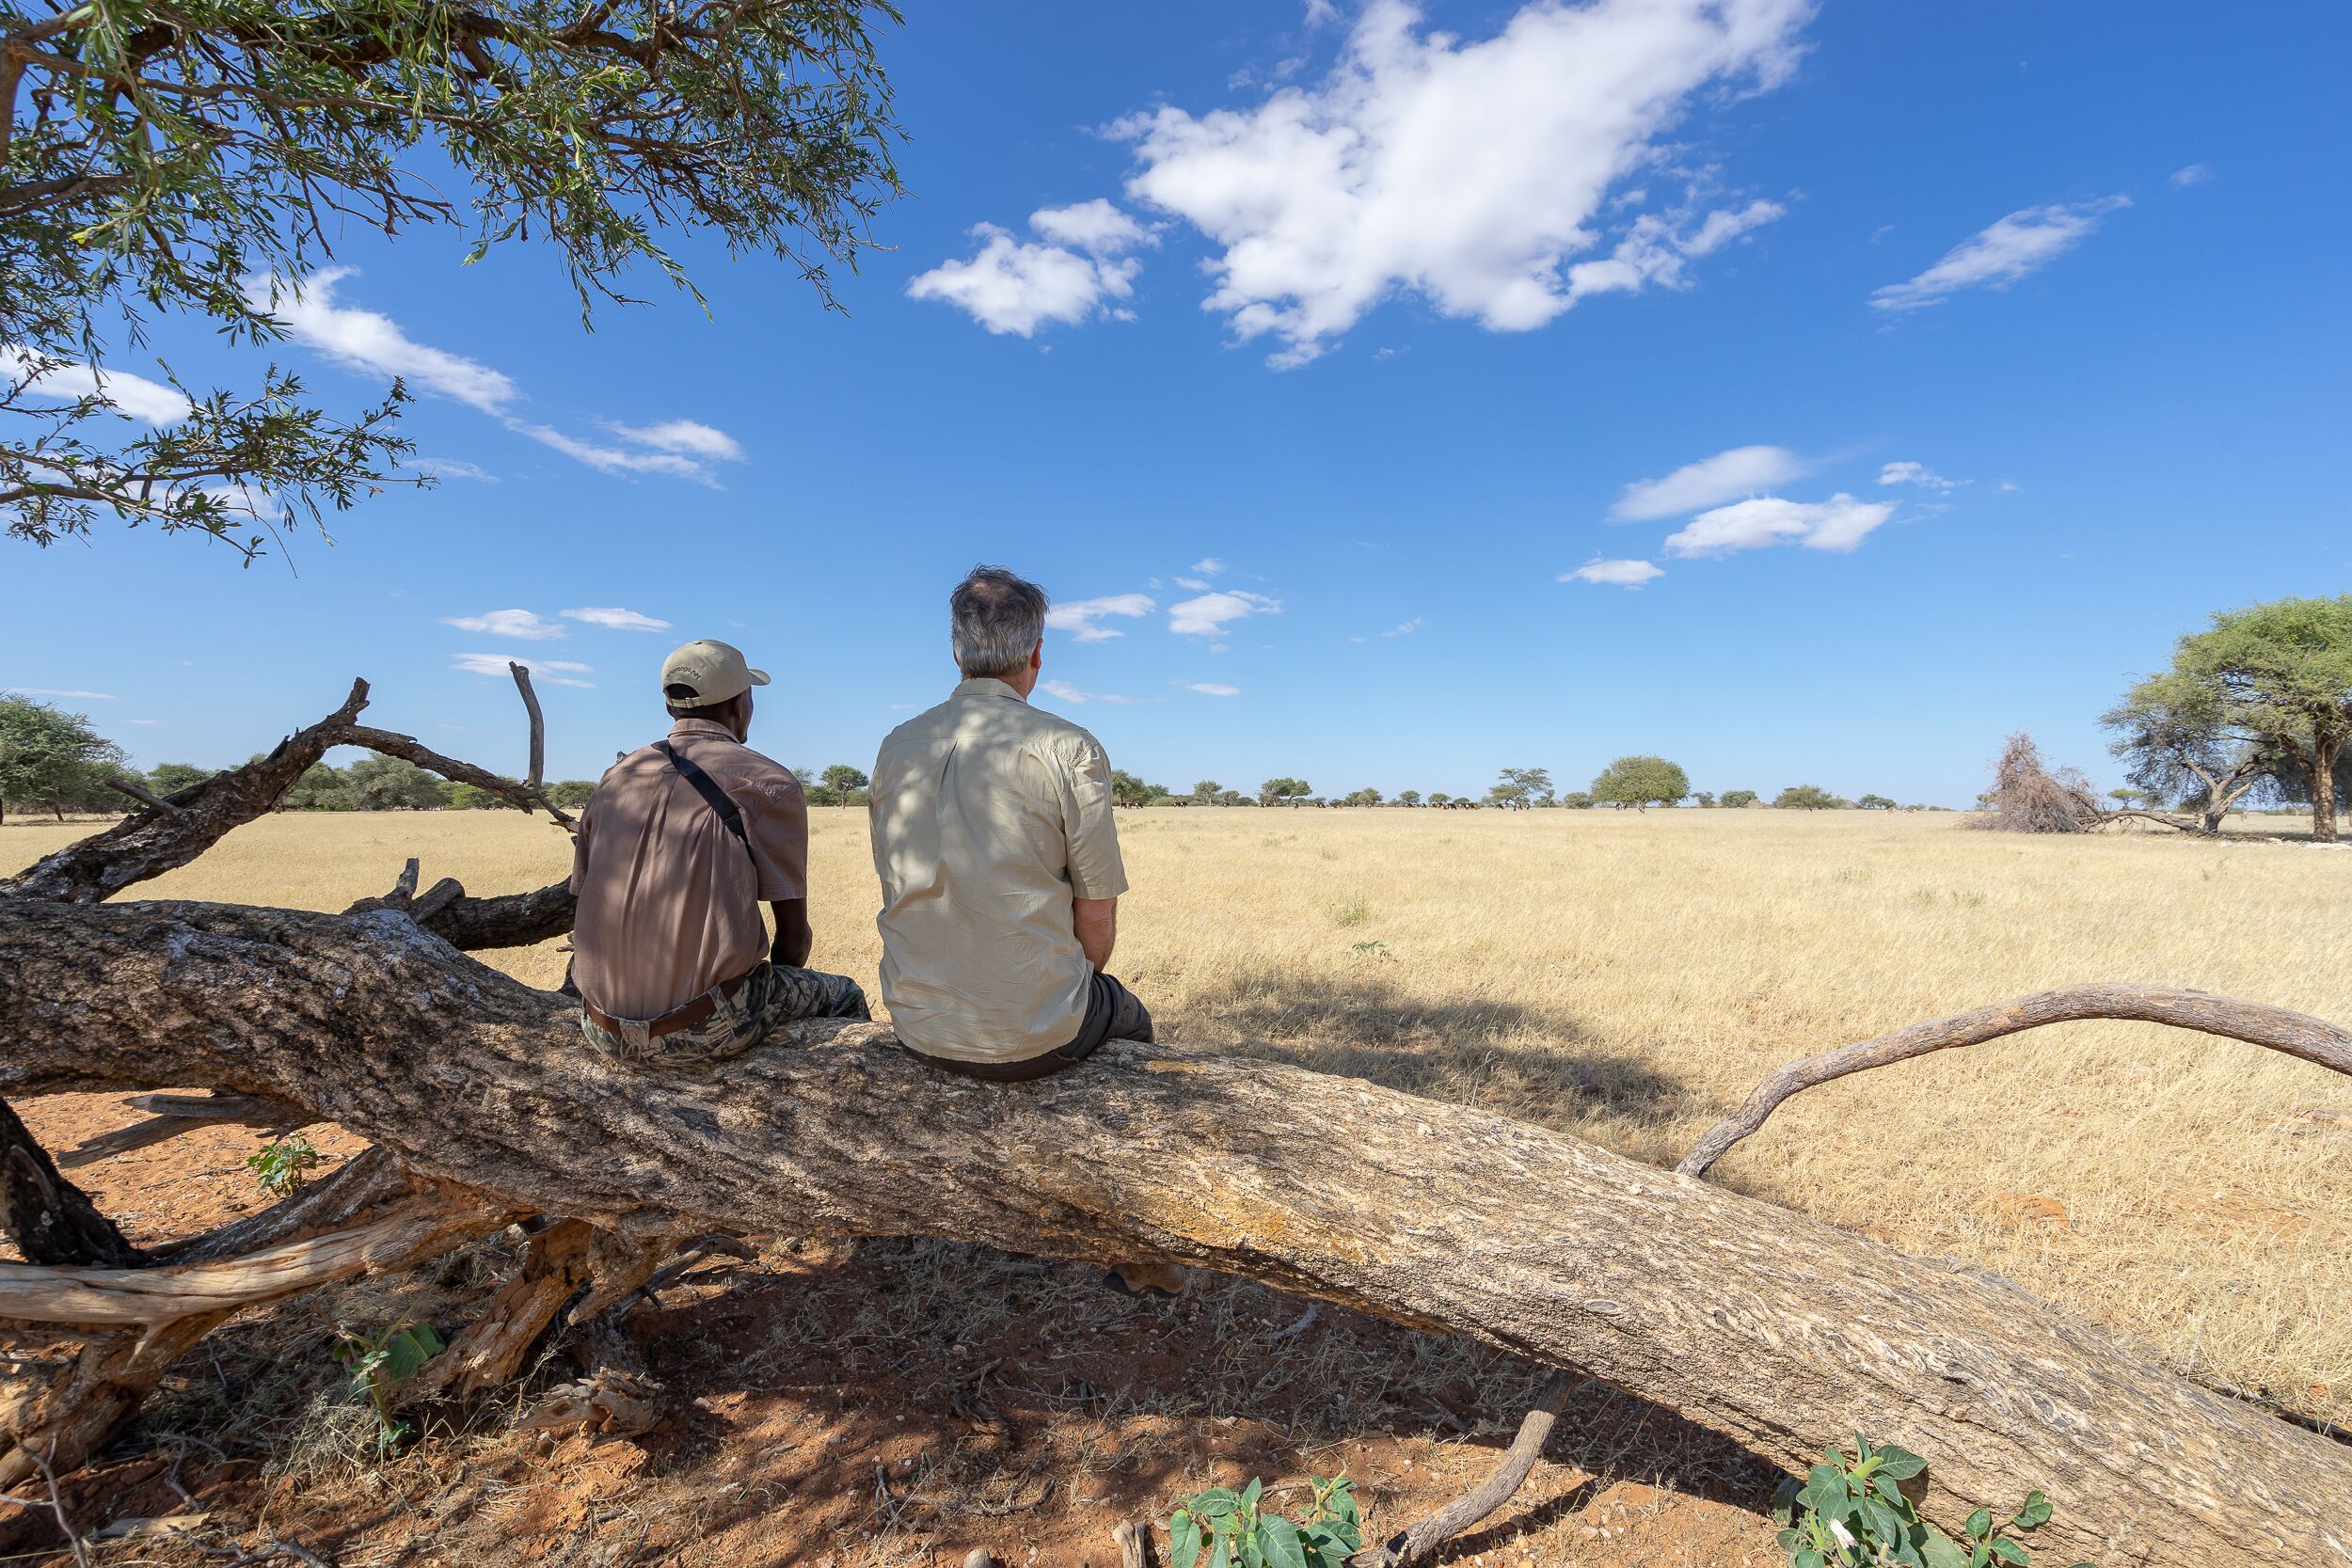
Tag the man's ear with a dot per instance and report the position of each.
(1037, 654)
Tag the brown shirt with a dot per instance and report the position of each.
(989, 817)
(669, 902)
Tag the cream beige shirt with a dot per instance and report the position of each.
(989, 817)
(669, 902)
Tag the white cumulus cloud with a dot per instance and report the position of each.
(1726, 476)
(1999, 254)
(1616, 574)
(614, 618)
(1206, 616)
(2196, 174)
(1839, 523)
(1209, 565)
(1017, 286)
(1919, 474)
(553, 671)
(507, 623)
(142, 399)
(1469, 172)
(1078, 616)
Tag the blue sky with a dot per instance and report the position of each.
(1897, 377)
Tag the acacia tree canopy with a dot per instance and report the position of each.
(1640, 783)
(2277, 677)
(170, 157)
(50, 757)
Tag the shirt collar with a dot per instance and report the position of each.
(987, 685)
(701, 726)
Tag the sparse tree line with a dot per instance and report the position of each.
(1635, 782)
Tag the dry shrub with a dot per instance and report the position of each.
(2028, 798)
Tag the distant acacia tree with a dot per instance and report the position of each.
(1805, 798)
(1736, 798)
(846, 783)
(466, 796)
(571, 793)
(192, 157)
(1274, 792)
(52, 758)
(1576, 800)
(1704, 798)
(1640, 783)
(1875, 802)
(1206, 791)
(320, 788)
(1129, 790)
(1408, 797)
(2260, 703)
(1361, 798)
(392, 784)
(1520, 788)
(1440, 798)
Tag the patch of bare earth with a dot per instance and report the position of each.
(847, 1404)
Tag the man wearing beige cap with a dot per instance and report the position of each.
(678, 846)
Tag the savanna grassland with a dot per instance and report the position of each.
(1621, 976)
(1629, 976)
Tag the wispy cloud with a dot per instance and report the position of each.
(1195, 585)
(1726, 476)
(1210, 689)
(614, 618)
(1839, 523)
(148, 401)
(554, 672)
(1615, 573)
(2196, 174)
(449, 468)
(1016, 286)
(1078, 616)
(1209, 566)
(2001, 253)
(688, 436)
(60, 691)
(1327, 200)
(370, 341)
(1404, 629)
(507, 623)
(1070, 694)
(1207, 615)
(1918, 474)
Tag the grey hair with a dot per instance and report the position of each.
(997, 619)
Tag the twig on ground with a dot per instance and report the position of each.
(1505, 1478)
(56, 1504)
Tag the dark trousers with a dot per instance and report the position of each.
(1113, 1013)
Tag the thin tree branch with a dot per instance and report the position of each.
(2313, 1039)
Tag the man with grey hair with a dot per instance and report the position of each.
(1000, 862)
(677, 849)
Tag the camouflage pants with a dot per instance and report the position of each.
(773, 994)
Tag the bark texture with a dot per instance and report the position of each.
(1781, 1332)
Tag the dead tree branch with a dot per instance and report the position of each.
(2313, 1039)
(1502, 1483)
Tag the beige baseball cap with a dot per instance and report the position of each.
(714, 669)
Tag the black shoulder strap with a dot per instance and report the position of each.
(713, 797)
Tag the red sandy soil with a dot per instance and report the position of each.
(840, 1405)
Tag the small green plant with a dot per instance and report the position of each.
(381, 1363)
(1374, 949)
(1853, 1514)
(1350, 911)
(1238, 1534)
(283, 1165)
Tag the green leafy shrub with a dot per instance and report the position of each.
(1237, 1533)
(381, 1363)
(1853, 1514)
(283, 1165)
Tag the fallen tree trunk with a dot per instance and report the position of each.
(1780, 1332)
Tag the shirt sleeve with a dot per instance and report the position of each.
(1088, 828)
(580, 847)
(775, 817)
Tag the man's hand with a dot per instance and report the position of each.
(793, 937)
(1097, 923)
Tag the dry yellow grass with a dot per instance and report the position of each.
(1628, 977)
